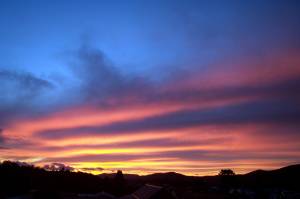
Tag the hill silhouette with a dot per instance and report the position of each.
(17, 179)
(286, 177)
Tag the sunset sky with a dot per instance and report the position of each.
(150, 86)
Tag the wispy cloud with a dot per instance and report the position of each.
(137, 124)
(19, 92)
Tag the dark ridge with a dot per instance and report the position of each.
(20, 178)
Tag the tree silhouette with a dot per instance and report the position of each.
(119, 182)
(119, 178)
(228, 178)
(226, 172)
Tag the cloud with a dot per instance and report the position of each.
(58, 167)
(95, 158)
(19, 94)
(2, 141)
(158, 142)
(270, 102)
(90, 169)
(228, 155)
(102, 83)
(27, 79)
(99, 79)
(254, 112)
(207, 155)
(11, 142)
(1, 137)
(20, 85)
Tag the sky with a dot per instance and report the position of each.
(150, 86)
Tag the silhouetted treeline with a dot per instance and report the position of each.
(17, 179)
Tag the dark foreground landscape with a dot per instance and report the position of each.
(22, 181)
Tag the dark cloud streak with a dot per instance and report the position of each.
(268, 111)
(192, 155)
(159, 142)
(100, 79)
(18, 92)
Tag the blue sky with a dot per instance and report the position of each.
(138, 36)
